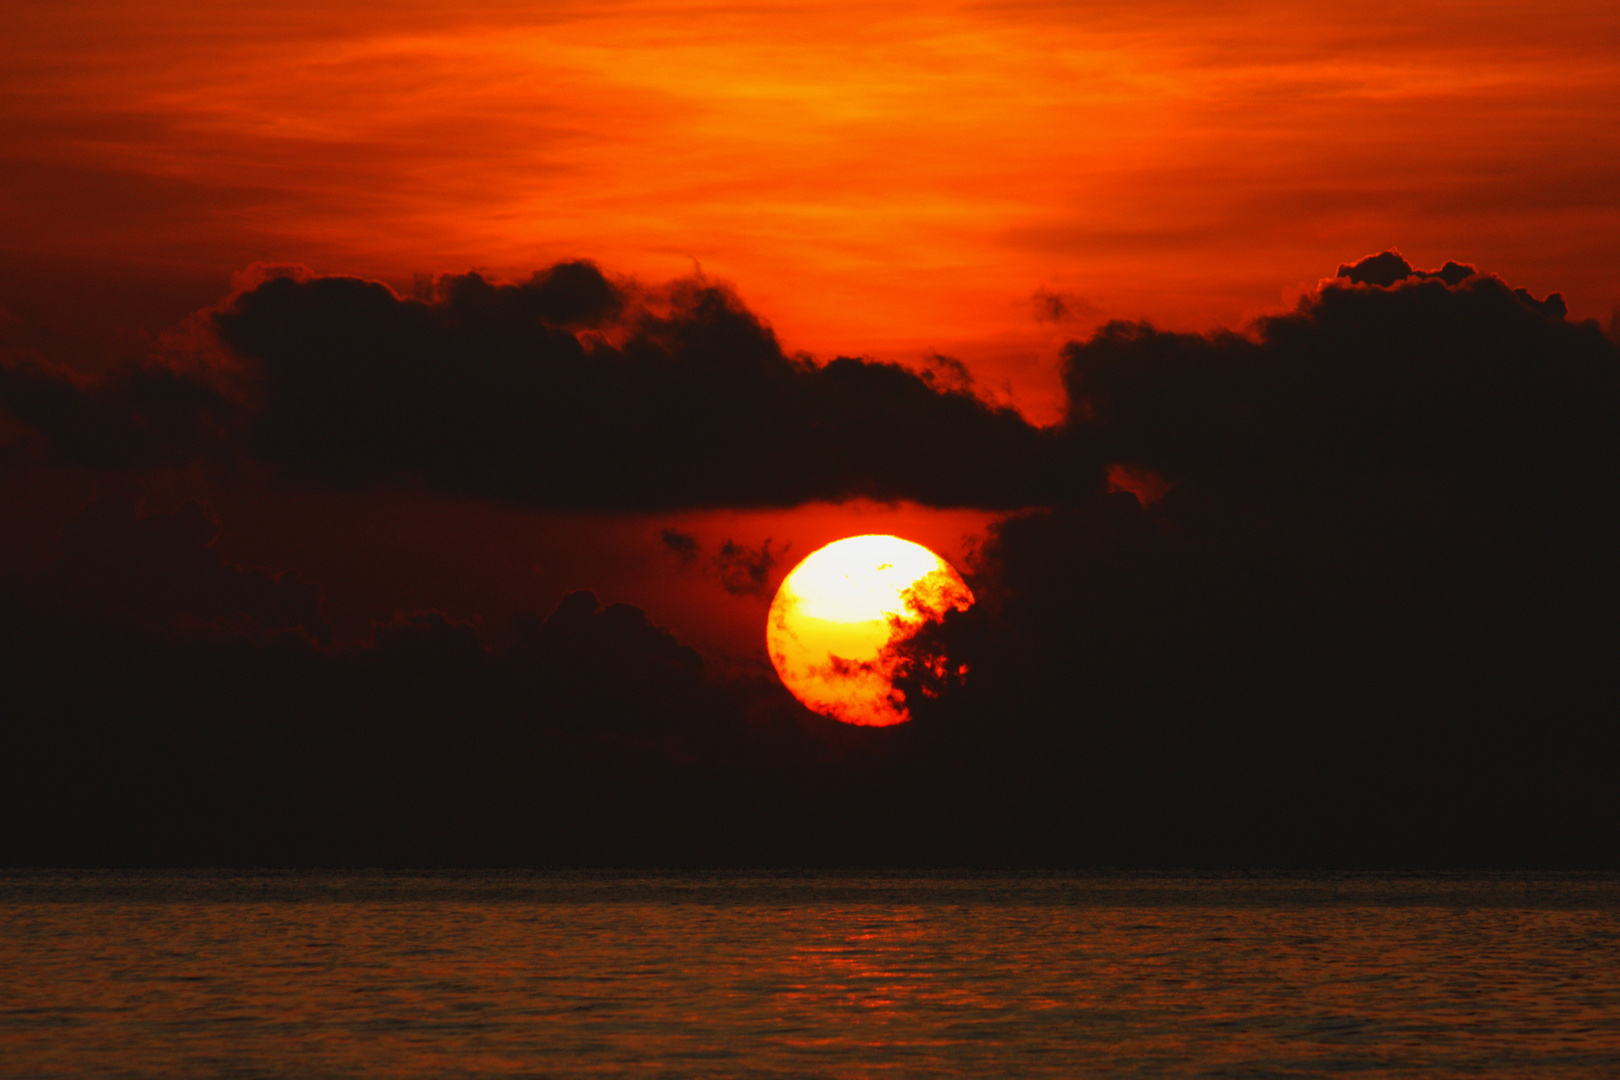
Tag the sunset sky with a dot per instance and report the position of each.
(957, 191)
(875, 179)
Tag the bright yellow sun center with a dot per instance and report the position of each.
(837, 613)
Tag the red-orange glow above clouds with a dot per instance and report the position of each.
(887, 179)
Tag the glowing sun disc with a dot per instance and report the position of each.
(838, 610)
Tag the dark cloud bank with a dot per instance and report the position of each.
(565, 392)
(1352, 598)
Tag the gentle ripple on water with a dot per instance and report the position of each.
(516, 975)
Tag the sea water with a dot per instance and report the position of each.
(497, 975)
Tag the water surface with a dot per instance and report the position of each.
(429, 975)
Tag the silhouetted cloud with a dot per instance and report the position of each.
(133, 418)
(1372, 609)
(746, 571)
(565, 391)
(162, 567)
(1353, 602)
(1361, 383)
(739, 569)
(160, 707)
(1058, 306)
(947, 373)
(683, 546)
(1389, 268)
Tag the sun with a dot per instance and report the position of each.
(839, 609)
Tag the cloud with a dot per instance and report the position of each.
(683, 546)
(161, 707)
(746, 571)
(1353, 603)
(947, 374)
(566, 391)
(132, 418)
(740, 570)
(1390, 268)
(1365, 612)
(1362, 383)
(162, 569)
(1060, 306)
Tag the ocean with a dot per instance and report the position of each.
(371, 974)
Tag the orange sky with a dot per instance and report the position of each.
(879, 179)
